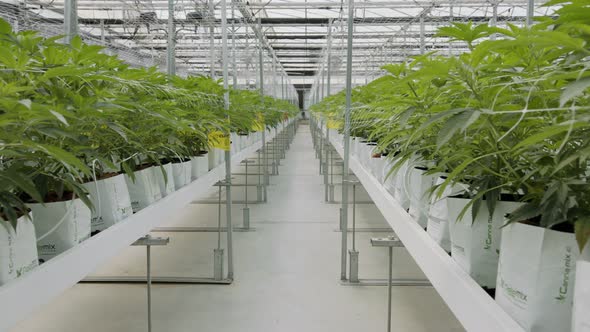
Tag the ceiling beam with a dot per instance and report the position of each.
(291, 21)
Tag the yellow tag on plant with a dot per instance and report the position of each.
(220, 140)
(335, 124)
(258, 123)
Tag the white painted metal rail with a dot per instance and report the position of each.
(22, 296)
(472, 306)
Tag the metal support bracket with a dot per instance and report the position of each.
(149, 241)
(389, 243)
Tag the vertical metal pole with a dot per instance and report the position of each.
(494, 18)
(451, 19)
(274, 76)
(102, 35)
(329, 79)
(149, 284)
(70, 19)
(170, 58)
(233, 47)
(212, 38)
(228, 199)
(347, 141)
(246, 210)
(218, 252)
(354, 254)
(354, 217)
(389, 284)
(422, 35)
(326, 162)
(322, 85)
(264, 156)
(530, 12)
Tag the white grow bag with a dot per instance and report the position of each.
(181, 173)
(234, 143)
(199, 166)
(18, 249)
(166, 184)
(417, 184)
(438, 215)
(475, 244)
(389, 179)
(111, 201)
(377, 166)
(220, 157)
(60, 226)
(145, 190)
(581, 318)
(216, 157)
(399, 182)
(536, 277)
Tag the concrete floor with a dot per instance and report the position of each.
(286, 273)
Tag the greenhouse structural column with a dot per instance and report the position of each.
(494, 20)
(228, 202)
(451, 19)
(530, 12)
(329, 78)
(422, 34)
(346, 167)
(70, 19)
(170, 57)
(274, 76)
(233, 47)
(261, 68)
(102, 35)
(322, 83)
(212, 37)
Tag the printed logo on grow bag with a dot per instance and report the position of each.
(10, 254)
(47, 248)
(488, 244)
(567, 268)
(513, 293)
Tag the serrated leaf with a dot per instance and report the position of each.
(22, 183)
(61, 155)
(574, 90)
(582, 228)
(455, 123)
(523, 213)
(5, 27)
(548, 132)
(118, 130)
(26, 103)
(60, 117)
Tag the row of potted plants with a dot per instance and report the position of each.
(86, 137)
(488, 150)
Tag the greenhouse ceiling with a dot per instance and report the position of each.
(294, 34)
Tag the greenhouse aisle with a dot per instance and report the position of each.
(286, 273)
